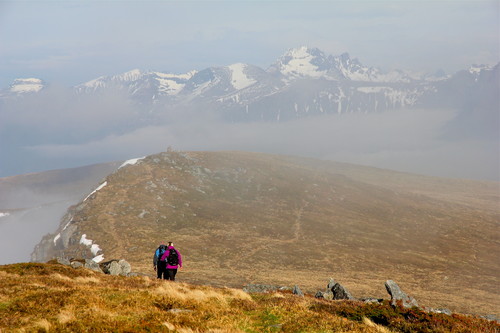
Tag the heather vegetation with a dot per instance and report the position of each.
(58, 298)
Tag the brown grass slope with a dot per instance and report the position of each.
(57, 298)
(242, 218)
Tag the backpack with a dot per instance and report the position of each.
(160, 251)
(173, 257)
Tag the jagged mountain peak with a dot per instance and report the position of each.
(130, 75)
(303, 62)
(304, 50)
(307, 62)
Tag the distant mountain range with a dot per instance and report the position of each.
(302, 82)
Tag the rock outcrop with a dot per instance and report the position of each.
(113, 267)
(340, 292)
(334, 290)
(116, 267)
(91, 264)
(296, 291)
(398, 296)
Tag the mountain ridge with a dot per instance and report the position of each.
(225, 210)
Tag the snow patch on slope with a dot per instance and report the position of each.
(97, 189)
(239, 79)
(131, 161)
(172, 84)
(94, 248)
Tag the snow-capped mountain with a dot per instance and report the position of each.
(139, 83)
(302, 82)
(307, 62)
(25, 86)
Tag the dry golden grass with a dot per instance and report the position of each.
(241, 218)
(123, 304)
(379, 328)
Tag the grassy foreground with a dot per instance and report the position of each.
(57, 298)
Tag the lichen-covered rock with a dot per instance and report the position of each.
(63, 261)
(91, 264)
(76, 264)
(116, 267)
(296, 291)
(125, 267)
(398, 296)
(328, 295)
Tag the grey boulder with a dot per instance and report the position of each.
(398, 296)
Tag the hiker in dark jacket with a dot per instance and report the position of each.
(173, 259)
(160, 266)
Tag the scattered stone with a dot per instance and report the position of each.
(340, 292)
(263, 288)
(491, 317)
(116, 267)
(296, 291)
(76, 264)
(91, 264)
(328, 295)
(125, 267)
(444, 311)
(319, 294)
(371, 300)
(398, 296)
(63, 261)
(330, 284)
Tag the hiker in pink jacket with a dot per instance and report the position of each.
(173, 259)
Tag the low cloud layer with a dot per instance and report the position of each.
(403, 140)
(58, 129)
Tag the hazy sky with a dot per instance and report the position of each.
(70, 42)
